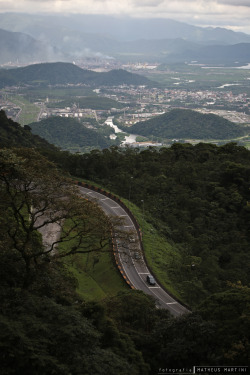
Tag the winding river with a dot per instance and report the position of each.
(131, 138)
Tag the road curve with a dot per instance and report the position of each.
(135, 270)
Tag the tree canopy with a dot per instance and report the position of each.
(187, 124)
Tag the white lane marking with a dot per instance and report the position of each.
(154, 287)
(143, 273)
(104, 199)
(124, 215)
(172, 303)
(157, 297)
(128, 226)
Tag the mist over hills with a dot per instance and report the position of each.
(124, 38)
(22, 48)
(118, 28)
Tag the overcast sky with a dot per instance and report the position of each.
(233, 14)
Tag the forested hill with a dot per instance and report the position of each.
(65, 73)
(188, 124)
(13, 135)
(68, 133)
(197, 199)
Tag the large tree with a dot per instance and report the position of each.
(36, 198)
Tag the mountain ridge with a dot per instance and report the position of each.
(119, 28)
(68, 73)
(74, 37)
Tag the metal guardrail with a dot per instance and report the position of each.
(137, 227)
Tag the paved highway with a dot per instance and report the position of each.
(130, 254)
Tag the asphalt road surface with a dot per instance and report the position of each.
(130, 254)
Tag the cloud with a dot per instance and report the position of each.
(148, 3)
(237, 3)
(233, 14)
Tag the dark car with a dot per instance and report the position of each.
(137, 255)
(151, 280)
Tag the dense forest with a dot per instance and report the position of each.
(68, 133)
(13, 135)
(196, 196)
(187, 124)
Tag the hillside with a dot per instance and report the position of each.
(66, 73)
(22, 48)
(68, 134)
(185, 124)
(13, 135)
(197, 197)
(231, 54)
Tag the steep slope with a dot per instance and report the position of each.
(180, 123)
(13, 135)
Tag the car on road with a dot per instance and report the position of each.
(131, 239)
(150, 280)
(137, 255)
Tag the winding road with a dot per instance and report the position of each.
(130, 254)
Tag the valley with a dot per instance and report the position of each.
(131, 137)
(223, 92)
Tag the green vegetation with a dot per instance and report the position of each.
(160, 254)
(187, 124)
(93, 102)
(54, 92)
(194, 77)
(13, 135)
(65, 73)
(29, 112)
(69, 134)
(195, 199)
(97, 275)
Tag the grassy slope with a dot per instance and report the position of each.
(96, 280)
(97, 274)
(29, 111)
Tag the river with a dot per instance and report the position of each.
(131, 138)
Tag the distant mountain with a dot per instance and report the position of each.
(13, 135)
(61, 29)
(68, 134)
(66, 73)
(21, 48)
(67, 38)
(188, 124)
(216, 54)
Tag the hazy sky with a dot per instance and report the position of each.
(233, 14)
